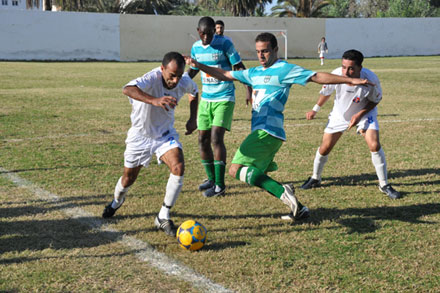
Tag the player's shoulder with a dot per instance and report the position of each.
(370, 75)
(337, 71)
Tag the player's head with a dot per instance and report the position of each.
(352, 63)
(322, 39)
(266, 46)
(219, 27)
(206, 29)
(173, 66)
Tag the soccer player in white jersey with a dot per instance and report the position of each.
(353, 106)
(271, 83)
(217, 103)
(153, 97)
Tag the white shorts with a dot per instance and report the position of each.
(321, 54)
(140, 149)
(367, 122)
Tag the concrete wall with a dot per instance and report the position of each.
(41, 35)
(384, 36)
(32, 35)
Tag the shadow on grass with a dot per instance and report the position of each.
(368, 179)
(365, 220)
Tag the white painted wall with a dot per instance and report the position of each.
(383, 36)
(38, 35)
(43, 35)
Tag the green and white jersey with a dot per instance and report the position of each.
(220, 54)
(270, 92)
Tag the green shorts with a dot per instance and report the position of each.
(215, 114)
(258, 150)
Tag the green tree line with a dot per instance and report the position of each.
(290, 8)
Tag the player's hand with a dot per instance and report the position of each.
(191, 125)
(165, 102)
(310, 115)
(354, 120)
(190, 61)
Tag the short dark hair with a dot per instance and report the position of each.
(170, 56)
(354, 55)
(220, 22)
(206, 21)
(267, 37)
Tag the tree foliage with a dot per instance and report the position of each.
(299, 8)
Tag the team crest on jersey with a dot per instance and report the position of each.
(266, 78)
(215, 56)
(356, 100)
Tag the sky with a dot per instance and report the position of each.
(269, 6)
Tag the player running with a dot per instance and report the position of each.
(271, 83)
(353, 106)
(217, 103)
(153, 97)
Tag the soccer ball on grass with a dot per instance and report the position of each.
(191, 235)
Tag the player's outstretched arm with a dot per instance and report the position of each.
(136, 93)
(191, 124)
(215, 72)
(328, 78)
(248, 89)
(321, 101)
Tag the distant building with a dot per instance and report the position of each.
(27, 5)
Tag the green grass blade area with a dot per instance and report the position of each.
(63, 126)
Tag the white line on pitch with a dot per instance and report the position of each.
(235, 127)
(144, 251)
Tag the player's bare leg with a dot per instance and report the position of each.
(207, 157)
(219, 155)
(379, 161)
(175, 162)
(329, 140)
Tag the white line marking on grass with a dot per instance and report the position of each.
(235, 127)
(144, 251)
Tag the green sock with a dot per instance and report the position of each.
(256, 177)
(209, 168)
(219, 168)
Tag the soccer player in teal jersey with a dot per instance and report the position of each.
(217, 103)
(271, 83)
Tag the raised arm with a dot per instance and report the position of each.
(215, 72)
(136, 93)
(328, 78)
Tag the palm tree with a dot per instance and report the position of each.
(236, 7)
(299, 8)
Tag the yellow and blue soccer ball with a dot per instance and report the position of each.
(191, 235)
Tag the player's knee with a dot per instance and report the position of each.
(233, 171)
(128, 179)
(374, 146)
(178, 169)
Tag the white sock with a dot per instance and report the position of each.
(318, 165)
(380, 164)
(119, 194)
(174, 186)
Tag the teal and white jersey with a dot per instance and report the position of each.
(270, 91)
(221, 54)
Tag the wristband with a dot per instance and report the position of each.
(316, 108)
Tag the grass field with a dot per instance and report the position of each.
(62, 131)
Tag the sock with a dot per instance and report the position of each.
(380, 164)
(256, 177)
(219, 168)
(119, 194)
(174, 186)
(318, 165)
(209, 168)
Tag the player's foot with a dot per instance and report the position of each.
(311, 183)
(390, 191)
(288, 197)
(207, 184)
(214, 191)
(303, 213)
(166, 226)
(109, 211)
